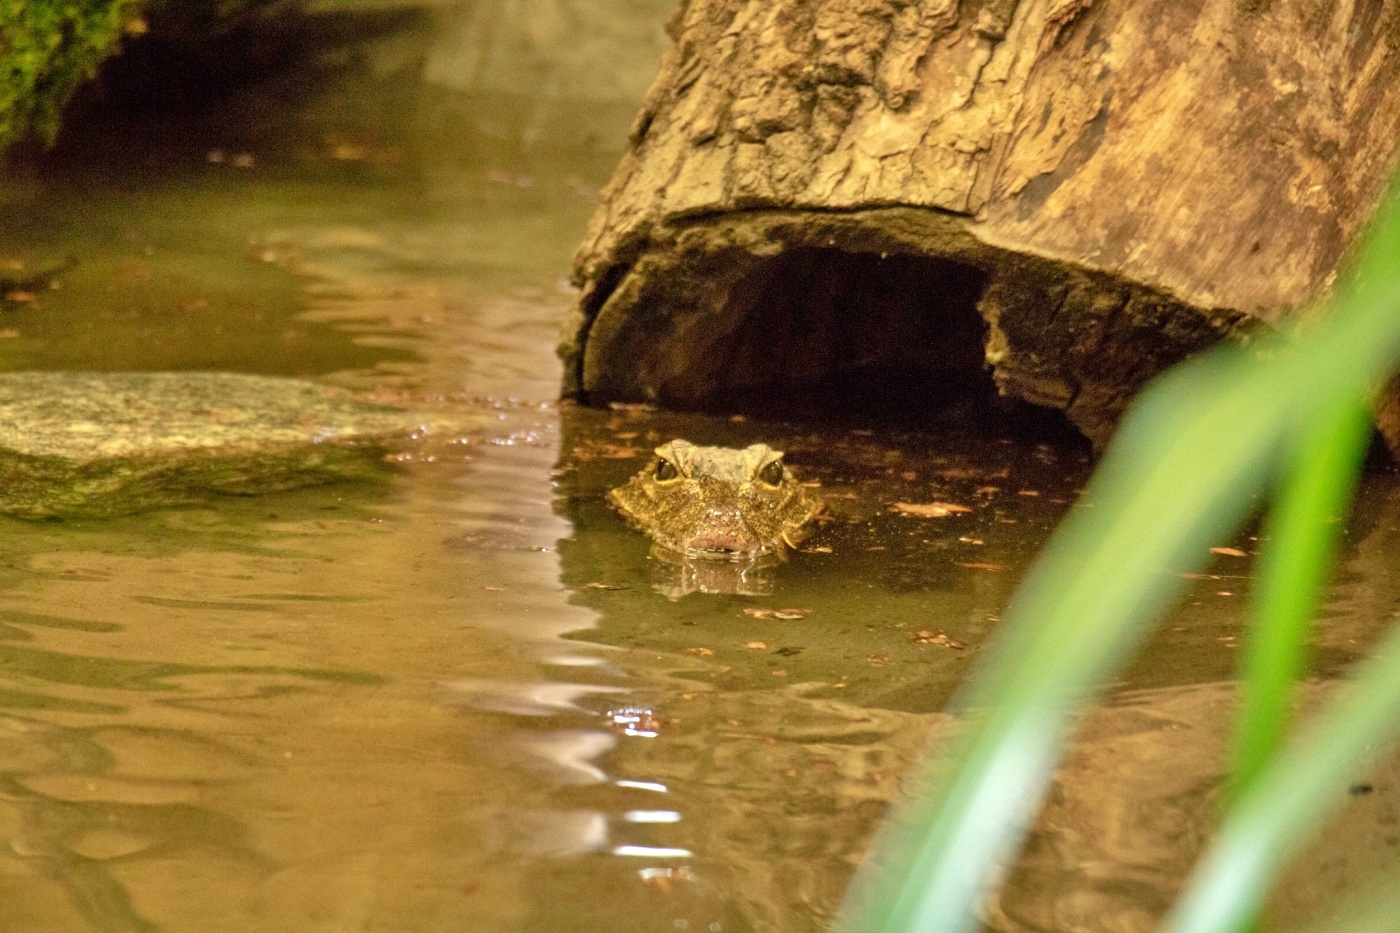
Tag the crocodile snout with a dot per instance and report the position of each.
(723, 533)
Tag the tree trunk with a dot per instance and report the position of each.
(880, 195)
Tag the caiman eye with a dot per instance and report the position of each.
(666, 471)
(772, 473)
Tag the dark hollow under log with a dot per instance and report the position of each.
(895, 201)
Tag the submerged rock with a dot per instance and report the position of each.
(99, 444)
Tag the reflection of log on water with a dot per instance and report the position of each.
(872, 197)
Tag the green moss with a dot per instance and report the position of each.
(47, 49)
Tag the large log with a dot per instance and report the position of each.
(877, 195)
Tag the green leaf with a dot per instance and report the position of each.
(1086, 605)
(1301, 536)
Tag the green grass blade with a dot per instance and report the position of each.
(1302, 534)
(1082, 611)
(1292, 797)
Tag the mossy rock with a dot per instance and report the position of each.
(98, 444)
(49, 48)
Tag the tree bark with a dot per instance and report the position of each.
(1080, 192)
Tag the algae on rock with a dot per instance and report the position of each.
(47, 49)
(50, 48)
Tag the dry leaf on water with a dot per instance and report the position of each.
(937, 638)
(777, 613)
(594, 451)
(929, 509)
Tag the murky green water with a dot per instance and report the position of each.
(468, 697)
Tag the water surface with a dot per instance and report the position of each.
(468, 697)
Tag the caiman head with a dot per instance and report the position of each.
(717, 502)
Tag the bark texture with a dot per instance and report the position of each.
(1080, 191)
